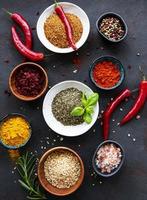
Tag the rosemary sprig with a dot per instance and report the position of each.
(26, 170)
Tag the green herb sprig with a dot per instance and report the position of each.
(26, 168)
(87, 108)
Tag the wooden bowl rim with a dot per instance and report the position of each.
(25, 98)
(66, 191)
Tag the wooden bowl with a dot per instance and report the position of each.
(12, 81)
(47, 186)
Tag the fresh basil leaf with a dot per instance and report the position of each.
(87, 118)
(92, 99)
(90, 109)
(77, 111)
(84, 100)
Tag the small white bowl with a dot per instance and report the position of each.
(70, 8)
(57, 126)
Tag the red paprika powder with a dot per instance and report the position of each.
(106, 74)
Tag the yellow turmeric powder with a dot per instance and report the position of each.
(14, 131)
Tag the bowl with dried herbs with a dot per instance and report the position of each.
(70, 108)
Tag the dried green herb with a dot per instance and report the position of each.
(87, 108)
(25, 167)
(64, 102)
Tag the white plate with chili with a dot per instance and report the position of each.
(68, 8)
(57, 126)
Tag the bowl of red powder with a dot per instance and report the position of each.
(107, 73)
(28, 81)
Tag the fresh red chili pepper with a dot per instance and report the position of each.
(16, 17)
(110, 109)
(140, 101)
(31, 55)
(60, 12)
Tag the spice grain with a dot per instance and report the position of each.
(14, 131)
(55, 31)
(63, 104)
(62, 169)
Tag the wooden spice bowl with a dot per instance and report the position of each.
(47, 186)
(12, 81)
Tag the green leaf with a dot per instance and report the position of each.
(24, 185)
(77, 111)
(84, 100)
(35, 198)
(20, 172)
(25, 166)
(92, 99)
(87, 118)
(90, 109)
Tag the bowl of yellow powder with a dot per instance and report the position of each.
(15, 131)
(51, 31)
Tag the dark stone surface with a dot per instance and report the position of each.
(131, 182)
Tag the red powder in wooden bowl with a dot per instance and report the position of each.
(106, 74)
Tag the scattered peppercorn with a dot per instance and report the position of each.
(7, 93)
(112, 28)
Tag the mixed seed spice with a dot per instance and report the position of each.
(62, 169)
(112, 28)
(55, 31)
(63, 104)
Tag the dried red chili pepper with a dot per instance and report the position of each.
(140, 101)
(31, 55)
(110, 109)
(60, 12)
(16, 17)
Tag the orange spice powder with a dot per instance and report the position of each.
(106, 74)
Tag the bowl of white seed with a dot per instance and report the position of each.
(61, 171)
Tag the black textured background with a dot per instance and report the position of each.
(131, 182)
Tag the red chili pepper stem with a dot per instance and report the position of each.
(6, 11)
(56, 3)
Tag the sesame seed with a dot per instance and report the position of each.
(62, 169)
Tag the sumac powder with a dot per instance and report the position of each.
(29, 81)
(106, 74)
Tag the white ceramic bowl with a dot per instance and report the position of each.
(70, 8)
(57, 126)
